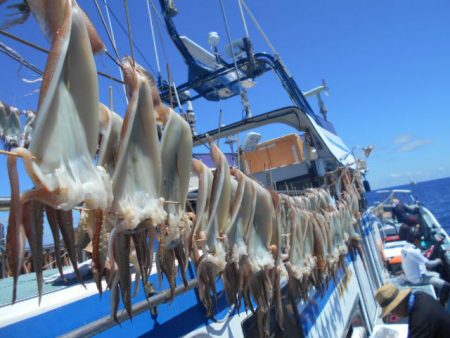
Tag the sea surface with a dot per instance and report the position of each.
(434, 195)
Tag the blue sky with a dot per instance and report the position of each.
(387, 64)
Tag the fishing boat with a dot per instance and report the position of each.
(306, 254)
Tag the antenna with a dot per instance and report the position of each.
(317, 92)
(213, 41)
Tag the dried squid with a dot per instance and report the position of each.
(60, 157)
(176, 159)
(260, 259)
(137, 176)
(198, 231)
(213, 260)
(239, 218)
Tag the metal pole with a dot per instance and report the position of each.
(4, 203)
(111, 98)
(108, 322)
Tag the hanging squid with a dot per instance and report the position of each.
(239, 218)
(213, 259)
(60, 157)
(176, 159)
(136, 184)
(260, 258)
(198, 231)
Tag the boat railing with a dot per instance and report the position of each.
(95, 327)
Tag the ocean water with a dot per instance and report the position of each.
(434, 195)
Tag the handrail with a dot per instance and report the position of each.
(108, 322)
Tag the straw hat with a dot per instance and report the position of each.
(88, 248)
(389, 297)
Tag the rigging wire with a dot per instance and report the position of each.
(166, 55)
(244, 22)
(158, 15)
(25, 42)
(150, 19)
(16, 56)
(113, 40)
(124, 30)
(113, 59)
(107, 30)
(229, 39)
(266, 38)
(130, 32)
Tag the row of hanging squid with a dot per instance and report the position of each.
(132, 189)
(253, 238)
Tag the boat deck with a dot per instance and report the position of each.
(27, 287)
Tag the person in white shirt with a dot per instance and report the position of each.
(415, 266)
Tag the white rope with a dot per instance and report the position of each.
(115, 46)
(243, 19)
(274, 51)
(158, 15)
(150, 19)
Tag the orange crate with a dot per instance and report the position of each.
(279, 152)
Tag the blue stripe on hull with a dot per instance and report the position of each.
(310, 311)
(184, 314)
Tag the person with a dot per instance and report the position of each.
(406, 231)
(404, 213)
(426, 317)
(415, 265)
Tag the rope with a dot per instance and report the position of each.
(53, 262)
(115, 47)
(150, 19)
(124, 30)
(113, 59)
(13, 54)
(25, 42)
(166, 55)
(113, 42)
(266, 38)
(130, 33)
(244, 22)
(229, 39)
(158, 15)
(111, 30)
(16, 56)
